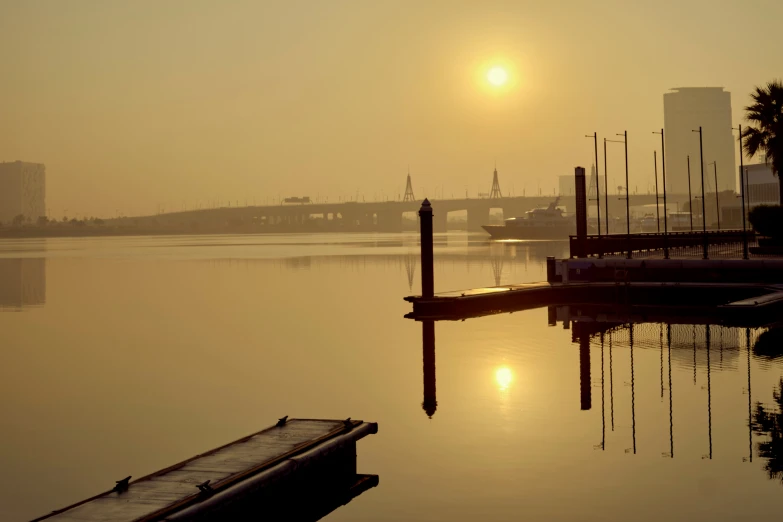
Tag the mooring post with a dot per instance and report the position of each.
(427, 269)
(550, 269)
(581, 211)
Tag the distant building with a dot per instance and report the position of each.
(566, 185)
(22, 190)
(686, 109)
(763, 186)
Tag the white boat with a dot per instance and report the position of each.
(539, 223)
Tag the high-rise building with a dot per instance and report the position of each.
(685, 109)
(565, 185)
(22, 190)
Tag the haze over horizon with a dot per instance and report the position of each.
(136, 105)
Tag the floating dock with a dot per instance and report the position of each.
(734, 286)
(299, 469)
(727, 298)
(737, 286)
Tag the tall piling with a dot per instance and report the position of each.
(581, 210)
(427, 268)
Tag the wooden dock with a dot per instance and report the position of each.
(299, 469)
(725, 298)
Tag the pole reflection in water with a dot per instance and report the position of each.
(682, 339)
(586, 399)
(671, 407)
(611, 383)
(694, 355)
(661, 350)
(430, 404)
(709, 391)
(750, 417)
(633, 390)
(603, 398)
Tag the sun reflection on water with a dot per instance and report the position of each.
(504, 377)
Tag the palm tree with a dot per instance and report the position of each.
(766, 133)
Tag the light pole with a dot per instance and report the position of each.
(606, 190)
(690, 199)
(627, 199)
(597, 192)
(717, 202)
(657, 211)
(627, 207)
(742, 196)
(665, 211)
(703, 210)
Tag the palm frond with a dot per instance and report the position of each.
(766, 133)
(753, 141)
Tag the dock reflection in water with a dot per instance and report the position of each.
(701, 349)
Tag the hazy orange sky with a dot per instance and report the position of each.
(136, 104)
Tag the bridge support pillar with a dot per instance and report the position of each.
(389, 221)
(477, 217)
(439, 220)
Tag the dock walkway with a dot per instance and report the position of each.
(306, 467)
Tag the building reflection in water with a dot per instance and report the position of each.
(22, 283)
(721, 346)
(705, 346)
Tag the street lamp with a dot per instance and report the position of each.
(657, 211)
(606, 190)
(717, 202)
(742, 195)
(690, 199)
(703, 210)
(620, 188)
(665, 211)
(627, 199)
(597, 192)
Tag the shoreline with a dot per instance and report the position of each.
(53, 233)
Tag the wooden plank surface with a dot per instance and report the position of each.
(178, 483)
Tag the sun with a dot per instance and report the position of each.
(497, 76)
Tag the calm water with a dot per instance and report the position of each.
(122, 356)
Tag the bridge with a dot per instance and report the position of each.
(382, 216)
(374, 216)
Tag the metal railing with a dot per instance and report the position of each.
(717, 243)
